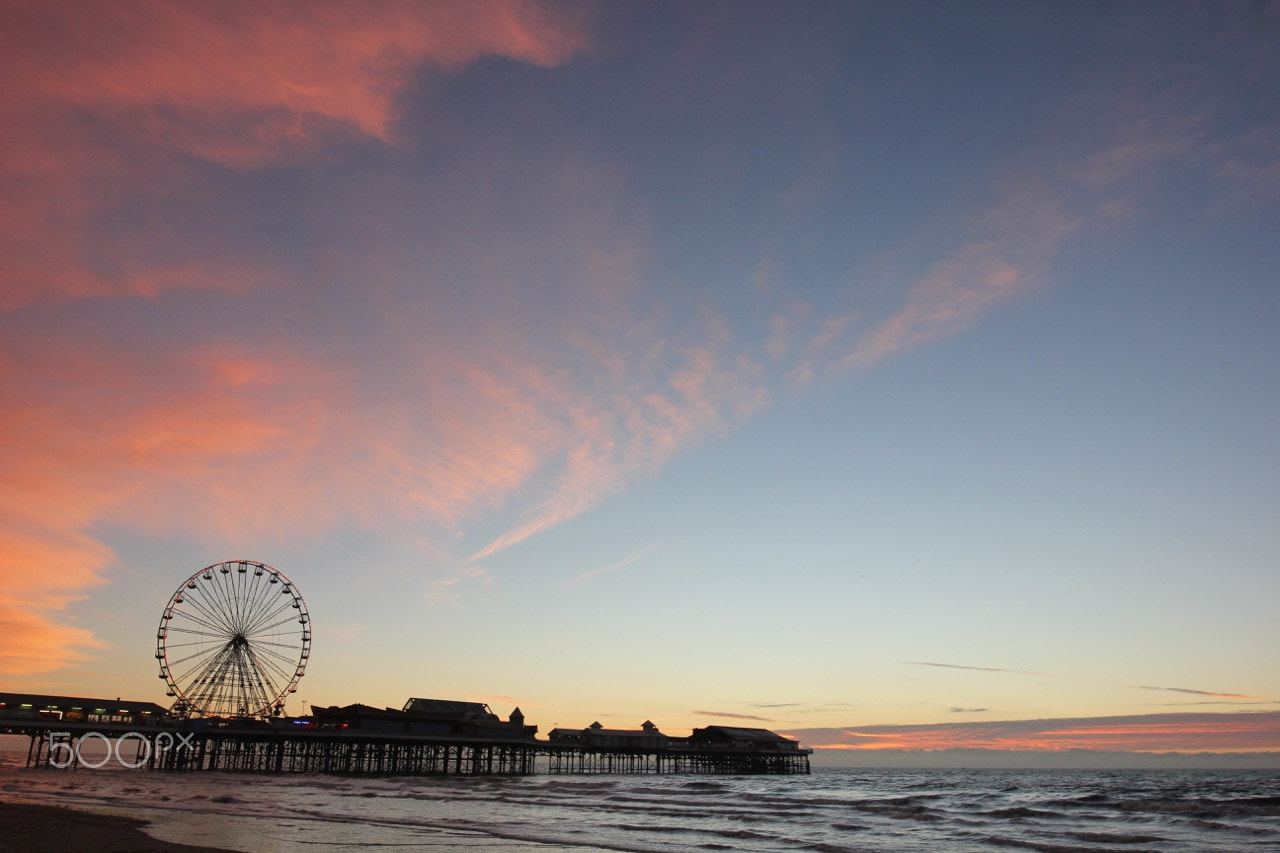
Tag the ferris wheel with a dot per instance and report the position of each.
(233, 641)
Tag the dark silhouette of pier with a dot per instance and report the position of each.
(427, 737)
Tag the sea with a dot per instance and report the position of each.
(832, 810)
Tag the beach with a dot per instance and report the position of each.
(54, 829)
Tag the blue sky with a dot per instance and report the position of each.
(823, 365)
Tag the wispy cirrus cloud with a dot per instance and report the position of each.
(727, 715)
(978, 668)
(1219, 698)
(449, 588)
(645, 412)
(582, 578)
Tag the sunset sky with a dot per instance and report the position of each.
(894, 375)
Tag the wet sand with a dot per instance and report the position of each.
(52, 829)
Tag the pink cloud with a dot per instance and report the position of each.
(1223, 732)
(36, 643)
(41, 571)
(649, 412)
(1015, 240)
(88, 436)
(244, 82)
(99, 100)
(104, 104)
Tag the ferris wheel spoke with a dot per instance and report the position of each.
(260, 680)
(272, 650)
(210, 625)
(196, 659)
(196, 644)
(225, 580)
(209, 609)
(258, 599)
(270, 655)
(186, 637)
(195, 611)
(239, 590)
(182, 644)
(188, 651)
(284, 649)
(207, 680)
(189, 669)
(269, 622)
(199, 666)
(234, 686)
(281, 620)
(281, 670)
(268, 610)
(262, 673)
(267, 666)
(285, 667)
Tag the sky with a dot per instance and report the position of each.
(901, 377)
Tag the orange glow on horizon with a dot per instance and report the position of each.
(1255, 731)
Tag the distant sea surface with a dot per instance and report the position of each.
(833, 810)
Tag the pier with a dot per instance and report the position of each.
(426, 738)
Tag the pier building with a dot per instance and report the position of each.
(38, 706)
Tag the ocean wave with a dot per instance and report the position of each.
(1046, 846)
(1117, 838)
(1018, 812)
